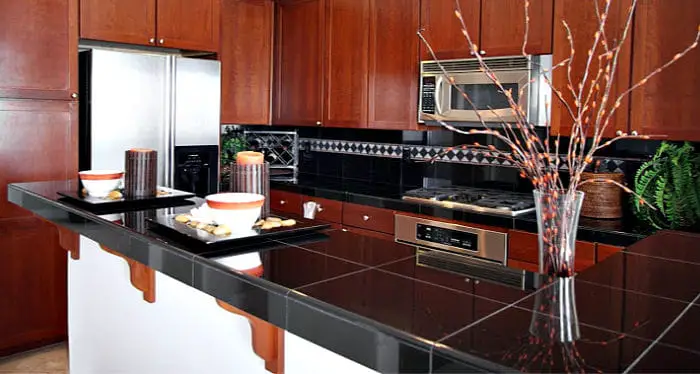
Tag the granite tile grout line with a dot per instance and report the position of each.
(635, 292)
(507, 306)
(661, 258)
(663, 333)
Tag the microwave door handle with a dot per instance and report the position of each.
(438, 94)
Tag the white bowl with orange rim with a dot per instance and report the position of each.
(99, 183)
(237, 210)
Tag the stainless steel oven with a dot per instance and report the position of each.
(441, 101)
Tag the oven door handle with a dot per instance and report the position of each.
(438, 94)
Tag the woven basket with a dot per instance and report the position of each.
(602, 200)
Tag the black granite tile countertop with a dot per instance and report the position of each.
(370, 300)
(618, 232)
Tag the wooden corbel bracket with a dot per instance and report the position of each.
(143, 278)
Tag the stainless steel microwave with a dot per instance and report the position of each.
(441, 101)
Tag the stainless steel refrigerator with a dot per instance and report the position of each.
(149, 100)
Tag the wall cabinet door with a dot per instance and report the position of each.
(246, 61)
(38, 143)
(188, 24)
(503, 27)
(39, 53)
(299, 67)
(393, 64)
(582, 19)
(667, 104)
(122, 21)
(346, 50)
(443, 30)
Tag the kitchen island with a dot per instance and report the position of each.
(344, 302)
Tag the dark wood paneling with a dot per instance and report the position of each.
(393, 64)
(330, 210)
(122, 21)
(38, 143)
(604, 251)
(523, 248)
(188, 24)
(667, 104)
(246, 61)
(299, 67)
(582, 20)
(503, 27)
(346, 49)
(369, 218)
(33, 280)
(444, 31)
(39, 53)
(515, 264)
(284, 201)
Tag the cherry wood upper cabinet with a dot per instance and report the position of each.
(582, 19)
(246, 61)
(123, 21)
(299, 62)
(39, 53)
(668, 103)
(503, 27)
(393, 64)
(188, 24)
(443, 30)
(346, 52)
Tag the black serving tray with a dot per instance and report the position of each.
(96, 204)
(167, 226)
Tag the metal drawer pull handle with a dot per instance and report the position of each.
(282, 202)
(319, 208)
(366, 218)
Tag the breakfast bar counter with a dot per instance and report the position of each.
(338, 301)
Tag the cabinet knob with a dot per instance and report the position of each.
(482, 52)
(161, 41)
(618, 132)
(74, 95)
(282, 202)
(318, 123)
(319, 209)
(365, 218)
(635, 133)
(152, 40)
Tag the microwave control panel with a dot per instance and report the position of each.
(428, 95)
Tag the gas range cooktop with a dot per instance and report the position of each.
(474, 199)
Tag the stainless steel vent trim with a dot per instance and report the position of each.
(472, 65)
(471, 268)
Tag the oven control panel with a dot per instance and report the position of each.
(454, 238)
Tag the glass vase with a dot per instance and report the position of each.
(557, 221)
(554, 314)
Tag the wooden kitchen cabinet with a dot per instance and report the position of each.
(246, 66)
(122, 21)
(299, 62)
(443, 31)
(368, 218)
(393, 64)
(284, 201)
(327, 210)
(523, 249)
(38, 143)
(667, 104)
(39, 53)
(181, 24)
(503, 27)
(346, 59)
(582, 19)
(188, 24)
(604, 251)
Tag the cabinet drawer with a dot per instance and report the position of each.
(369, 218)
(515, 264)
(284, 201)
(523, 247)
(328, 210)
(604, 251)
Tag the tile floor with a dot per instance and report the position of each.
(47, 360)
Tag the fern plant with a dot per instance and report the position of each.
(670, 182)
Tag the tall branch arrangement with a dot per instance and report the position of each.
(589, 104)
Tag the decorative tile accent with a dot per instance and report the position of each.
(426, 153)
